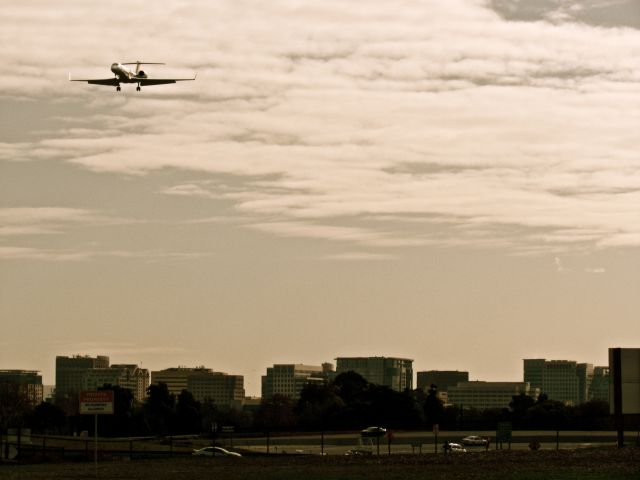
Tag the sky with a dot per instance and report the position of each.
(451, 181)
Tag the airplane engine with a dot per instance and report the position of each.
(142, 74)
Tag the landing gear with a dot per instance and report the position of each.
(138, 88)
(118, 88)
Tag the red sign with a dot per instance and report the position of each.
(98, 402)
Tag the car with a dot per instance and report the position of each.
(212, 451)
(374, 432)
(359, 452)
(454, 447)
(474, 440)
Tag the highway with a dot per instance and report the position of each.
(420, 441)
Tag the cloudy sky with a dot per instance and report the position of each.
(452, 181)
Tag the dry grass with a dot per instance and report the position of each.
(585, 464)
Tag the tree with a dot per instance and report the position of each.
(351, 386)
(433, 407)
(391, 408)
(188, 418)
(318, 406)
(520, 405)
(121, 422)
(47, 418)
(276, 413)
(547, 414)
(159, 409)
(14, 405)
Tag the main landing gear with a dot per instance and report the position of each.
(118, 88)
(138, 88)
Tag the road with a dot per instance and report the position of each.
(416, 442)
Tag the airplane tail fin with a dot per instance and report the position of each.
(138, 63)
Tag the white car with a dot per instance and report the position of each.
(359, 452)
(455, 448)
(212, 451)
(474, 440)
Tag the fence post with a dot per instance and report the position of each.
(171, 446)
(44, 447)
(130, 449)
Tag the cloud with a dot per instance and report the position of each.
(360, 256)
(524, 133)
(22, 221)
(595, 270)
(334, 233)
(83, 254)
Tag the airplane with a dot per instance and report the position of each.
(125, 75)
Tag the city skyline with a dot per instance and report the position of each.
(453, 181)
(169, 369)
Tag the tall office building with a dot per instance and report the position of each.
(600, 384)
(484, 395)
(562, 380)
(71, 370)
(27, 382)
(395, 373)
(584, 372)
(443, 379)
(290, 379)
(127, 376)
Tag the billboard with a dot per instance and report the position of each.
(98, 402)
(624, 381)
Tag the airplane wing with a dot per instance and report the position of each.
(162, 81)
(105, 81)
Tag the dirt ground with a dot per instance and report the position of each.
(585, 464)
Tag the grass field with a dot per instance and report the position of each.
(585, 464)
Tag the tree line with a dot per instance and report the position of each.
(348, 403)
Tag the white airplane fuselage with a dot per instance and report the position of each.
(125, 75)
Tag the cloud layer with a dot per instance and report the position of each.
(401, 124)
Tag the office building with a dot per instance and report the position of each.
(27, 382)
(222, 389)
(125, 376)
(562, 380)
(442, 379)
(290, 379)
(484, 395)
(395, 373)
(70, 372)
(204, 384)
(600, 384)
(584, 372)
(174, 378)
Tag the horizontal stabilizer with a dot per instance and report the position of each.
(162, 81)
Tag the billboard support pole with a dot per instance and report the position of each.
(617, 394)
(95, 443)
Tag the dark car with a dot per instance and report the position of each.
(374, 432)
